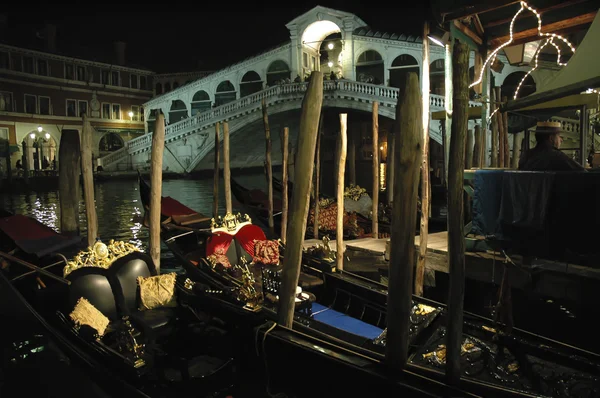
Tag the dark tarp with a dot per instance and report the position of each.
(33, 237)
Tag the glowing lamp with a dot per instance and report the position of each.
(522, 54)
(330, 64)
(39, 129)
(330, 46)
(47, 136)
(32, 136)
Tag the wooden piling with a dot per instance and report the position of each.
(500, 123)
(68, 181)
(339, 231)
(317, 179)
(456, 240)
(216, 173)
(88, 180)
(425, 183)
(375, 201)
(469, 150)
(305, 155)
(477, 147)
(505, 136)
(269, 167)
(284, 181)
(408, 147)
(389, 169)
(26, 165)
(156, 160)
(516, 153)
(226, 168)
(494, 136)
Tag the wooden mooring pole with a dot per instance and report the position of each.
(88, 180)
(408, 147)
(425, 184)
(269, 167)
(456, 239)
(226, 168)
(389, 169)
(216, 172)
(375, 209)
(339, 231)
(494, 135)
(284, 182)
(305, 156)
(68, 181)
(317, 179)
(156, 160)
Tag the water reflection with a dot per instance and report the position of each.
(119, 208)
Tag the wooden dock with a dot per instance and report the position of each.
(544, 277)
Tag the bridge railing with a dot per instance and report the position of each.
(371, 92)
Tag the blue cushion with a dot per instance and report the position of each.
(344, 322)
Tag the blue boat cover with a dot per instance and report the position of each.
(344, 322)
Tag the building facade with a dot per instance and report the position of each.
(43, 94)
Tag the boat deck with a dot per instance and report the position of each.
(549, 278)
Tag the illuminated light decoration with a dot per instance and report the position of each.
(492, 56)
(534, 68)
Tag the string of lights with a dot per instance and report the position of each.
(551, 36)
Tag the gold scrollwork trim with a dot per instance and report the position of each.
(100, 255)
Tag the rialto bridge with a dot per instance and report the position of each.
(361, 66)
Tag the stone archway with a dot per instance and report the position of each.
(369, 67)
(225, 93)
(110, 142)
(401, 66)
(41, 151)
(512, 81)
(250, 84)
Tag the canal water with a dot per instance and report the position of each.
(120, 215)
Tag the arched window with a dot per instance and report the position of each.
(177, 112)
(277, 71)
(401, 66)
(225, 93)
(200, 102)
(511, 83)
(437, 81)
(251, 83)
(369, 67)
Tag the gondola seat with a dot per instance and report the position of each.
(123, 275)
(115, 293)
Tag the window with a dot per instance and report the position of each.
(6, 102)
(104, 77)
(141, 114)
(83, 107)
(143, 83)
(28, 65)
(133, 81)
(16, 63)
(116, 111)
(71, 108)
(81, 73)
(30, 103)
(4, 60)
(42, 67)
(69, 72)
(44, 105)
(136, 113)
(105, 110)
(114, 78)
(305, 60)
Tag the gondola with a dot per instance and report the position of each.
(92, 305)
(343, 320)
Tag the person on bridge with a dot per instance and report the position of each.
(547, 156)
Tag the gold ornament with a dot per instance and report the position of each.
(354, 192)
(230, 223)
(100, 255)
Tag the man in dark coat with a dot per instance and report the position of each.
(546, 156)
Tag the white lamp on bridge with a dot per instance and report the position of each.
(130, 115)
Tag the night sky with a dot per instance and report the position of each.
(178, 40)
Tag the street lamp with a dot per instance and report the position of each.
(330, 64)
(39, 128)
(130, 115)
(32, 136)
(47, 135)
(330, 46)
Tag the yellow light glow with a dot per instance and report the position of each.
(317, 31)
